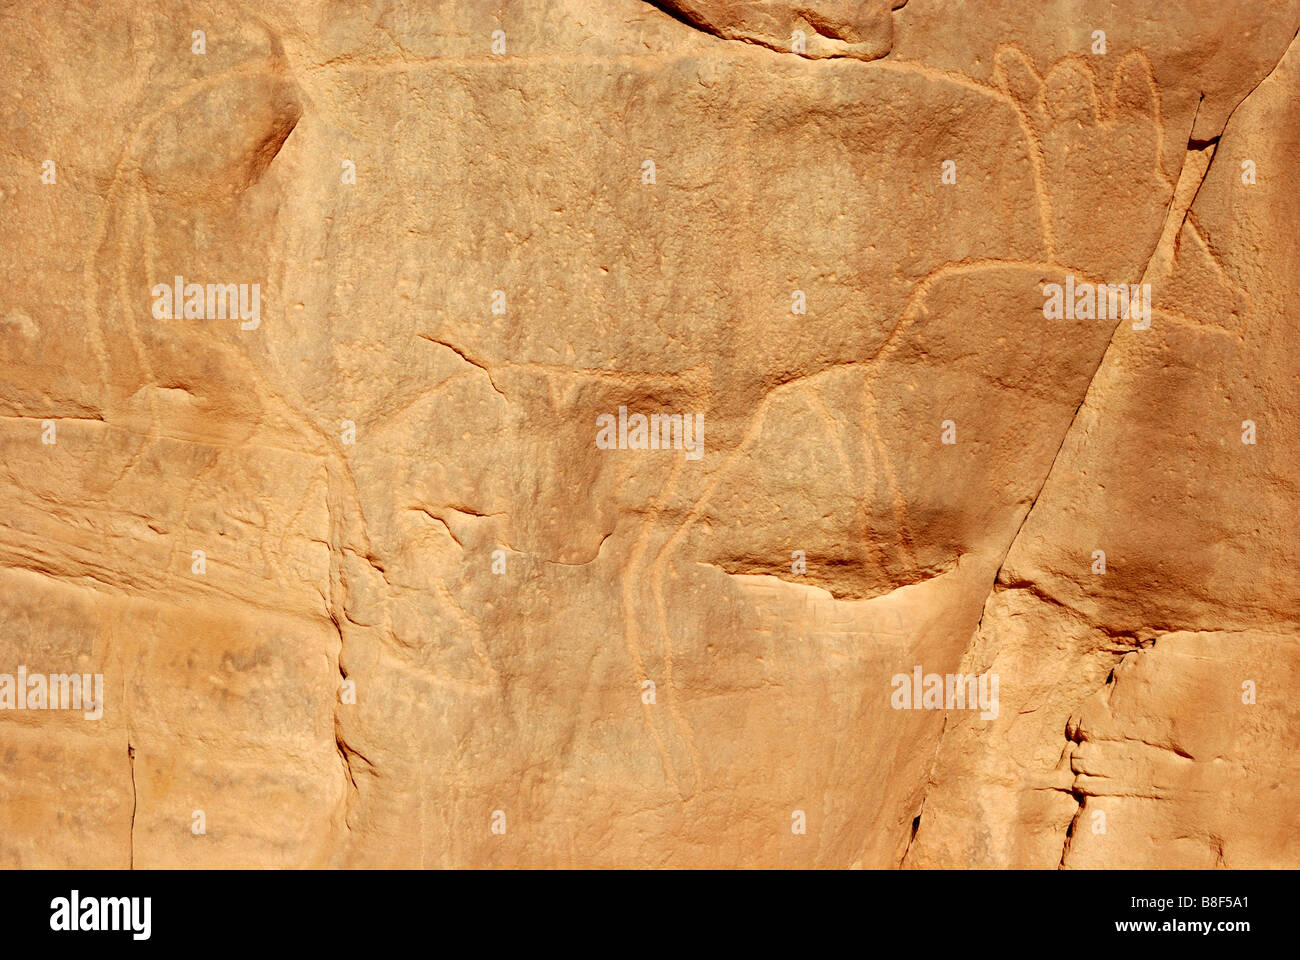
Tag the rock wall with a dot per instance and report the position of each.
(964, 534)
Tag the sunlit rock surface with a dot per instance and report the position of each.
(325, 332)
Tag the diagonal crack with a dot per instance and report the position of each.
(916, 825)
(1166, 237)
(916, 821)
(464, 356)
(1263, 80)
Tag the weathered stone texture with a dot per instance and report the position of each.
(505, 269)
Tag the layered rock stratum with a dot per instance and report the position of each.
(359, 533)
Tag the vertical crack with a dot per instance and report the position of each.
(345, 752)
(1069, 831)
(1073, 736)
(335, 602)
(130, 756)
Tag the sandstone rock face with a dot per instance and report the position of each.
(328, 337)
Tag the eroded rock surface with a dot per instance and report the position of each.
(366, 586)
